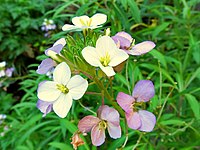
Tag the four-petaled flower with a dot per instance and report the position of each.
(106, 55)
(107, 118)
(125, 41)
(138, 119)
(84, 22)
(62, 90)
(47, 64)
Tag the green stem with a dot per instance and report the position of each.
(107, 95)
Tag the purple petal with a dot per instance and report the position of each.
(114, 130)
(123, 42)
(98, 135)
(125, 101)
(133, 120)
(45, 66)
(9, 72)
(148, 120)
(44, 107)
(87, 123)
(142, 48)
(143, 90)
(125, 35)
(109, 114)
(56, 48)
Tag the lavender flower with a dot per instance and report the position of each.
(107, 118)
(125, 41)
(138, 119)
(44, 107)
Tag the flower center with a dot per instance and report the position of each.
(103, 124)
(62, 88)
(86, 23)
(137, 105)
(105, 60)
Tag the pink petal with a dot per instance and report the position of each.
(133, 120)
(114, 130)
(142, 48)
(125, 35)
(125, 101)
(123, 42)
(98, 135)
(148, 120)
(87, 123)
(109, 114)
(143, 90)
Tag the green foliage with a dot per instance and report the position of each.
(173, 66)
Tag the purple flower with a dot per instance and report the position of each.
(9, 72)
(47, 64)
(44, 107)
(125, 41)
(138, 119)
(107, 118)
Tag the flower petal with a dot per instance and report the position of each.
(148, 120)
(142, 48)
(48, 92)
(125, 101)
(98, 135)
(133, 120)
(143, 90)
(68, 27)
(109, 71)
(109, 114)
(87, 123)
(45, 66)
(91, 56)
(118, 58)
(98, 19)
(125, 35)
(62, 105)
(123, 42)
(80, 21)
(62, 73)
(44, 107)
(77, 86)
(105, 44)
(56, 49)
(114, 130)
(60, 41)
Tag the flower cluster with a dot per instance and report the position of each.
(5, 72)
(95, 62)
(48, 25)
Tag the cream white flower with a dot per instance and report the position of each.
(62, 90)
(83, 22)
(106, 55)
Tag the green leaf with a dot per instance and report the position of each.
(135, 11)
(159, 56)
(172, 122)
(159, 29)
(194, 104)
(60, 146)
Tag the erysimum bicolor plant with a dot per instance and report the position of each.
(93, 57)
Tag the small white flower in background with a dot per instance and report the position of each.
(2, 64)
(48, 25)
(62, 90)
(84, 22)
(106, 55)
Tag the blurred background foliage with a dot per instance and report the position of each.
(173, 66)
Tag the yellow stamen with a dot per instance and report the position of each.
(62, 88)
(103, 124)
(105, 60)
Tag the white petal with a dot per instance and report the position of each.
(118, 58)
(109, 71)
(98, 19)
(60, 41)
(77, 86)
(62, 73)
(48, 91)
(68, 27)
(91, 56)
(62, 105)
(106, 44)
(80, 21)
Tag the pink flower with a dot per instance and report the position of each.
(107, 118)
(138, 119)
(125, 41)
